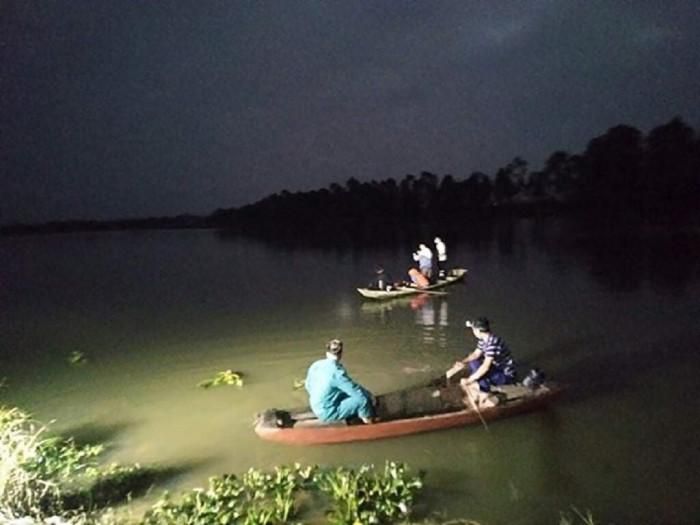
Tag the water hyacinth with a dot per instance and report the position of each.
(225, 377)
(366, 495)
(77, 358)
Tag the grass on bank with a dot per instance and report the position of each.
(44, 476)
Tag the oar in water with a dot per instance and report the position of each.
(456, 368)
(475, 406)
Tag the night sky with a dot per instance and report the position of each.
(134, 108)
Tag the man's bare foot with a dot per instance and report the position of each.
(368, 420)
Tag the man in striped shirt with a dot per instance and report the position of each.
(490, 363)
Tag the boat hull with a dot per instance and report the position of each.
(455, 275)
(268, 426)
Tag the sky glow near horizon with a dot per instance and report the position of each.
(134, 109)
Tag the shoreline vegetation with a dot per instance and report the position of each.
(646, 183)
(52, 480)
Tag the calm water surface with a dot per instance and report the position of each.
(155, 313)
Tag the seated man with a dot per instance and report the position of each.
(381, 281)
(489, 364)
(333, 396)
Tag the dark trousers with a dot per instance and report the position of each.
(494, 376)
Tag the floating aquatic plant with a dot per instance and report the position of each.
(366, 495)
(77, 358)
(298, 384)
(225, 377)
(255, 498)
(585, 518)
(369, 495)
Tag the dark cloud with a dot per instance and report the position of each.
(113, 109)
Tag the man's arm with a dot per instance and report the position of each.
(475, 354)
(462, 363)
(343, 382)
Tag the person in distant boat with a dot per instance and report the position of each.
(489, 364)
(424, 258)
(418, 280)
(441, 264)
(333, 395)
(382, 280)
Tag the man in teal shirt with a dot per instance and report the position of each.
(333, 395)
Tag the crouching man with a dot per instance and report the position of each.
(489, 364)
(333, 395)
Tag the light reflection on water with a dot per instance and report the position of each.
(156, 313)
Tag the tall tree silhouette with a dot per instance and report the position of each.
(671, 178)
(611, 168)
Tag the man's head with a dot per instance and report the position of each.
(480, 325)
(334, 348)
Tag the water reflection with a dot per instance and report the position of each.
(430, 313)
(382, 310)
(623, 260)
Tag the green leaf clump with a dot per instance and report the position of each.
(77, 358)
(225, 377)
(366, 496)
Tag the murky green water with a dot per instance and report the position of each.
(155, 313)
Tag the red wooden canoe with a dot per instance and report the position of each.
(420, 409)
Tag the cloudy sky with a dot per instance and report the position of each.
(133, 108)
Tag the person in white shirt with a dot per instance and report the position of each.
(424, 256)
(441, 250)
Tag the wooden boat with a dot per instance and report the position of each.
(454, 275)
(420, 409)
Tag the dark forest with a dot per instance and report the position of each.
(651, 179)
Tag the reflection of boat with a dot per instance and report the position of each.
(409, 411)
(453, 276)
(379, 307)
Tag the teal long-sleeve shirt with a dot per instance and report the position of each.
(328, 384)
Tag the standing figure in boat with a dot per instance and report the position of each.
(333, 395)
(441, 259)
(489, 364)
(424, 257)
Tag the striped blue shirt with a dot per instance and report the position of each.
(494, 347)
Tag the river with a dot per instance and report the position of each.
(156, 312)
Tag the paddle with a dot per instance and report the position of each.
(475, 407)
(456, 368)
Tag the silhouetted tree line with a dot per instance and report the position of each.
(620, 172)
